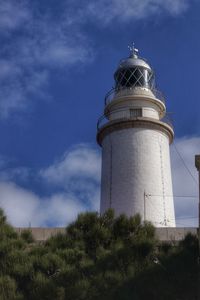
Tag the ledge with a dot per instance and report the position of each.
(164, 234)
(139, 122)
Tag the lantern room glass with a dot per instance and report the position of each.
(134, 77)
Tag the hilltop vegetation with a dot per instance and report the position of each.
(99, 257)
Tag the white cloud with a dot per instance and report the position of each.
(33, 49)
(13, 14)
(20, 206)
(62, 209)
(39, 42)
(20, 173)
(16, 94)
(107, 11)
(24, 208)
(183, 183)
(77, 179)
(82, 161)
(77, 175)
(7, 69)
(77, 172)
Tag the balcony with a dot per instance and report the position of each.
(127, 115)
(114, 94)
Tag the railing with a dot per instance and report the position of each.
(125, 115)
(168, 119)
(104, 119)
(116, 93)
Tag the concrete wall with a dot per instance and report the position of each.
(122, 110)
(163, 234)
(134, 161)
(174, 234)
(42, 234)
(139, 97)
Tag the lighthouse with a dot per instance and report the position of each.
(135, 135)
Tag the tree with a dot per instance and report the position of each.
(98, 257)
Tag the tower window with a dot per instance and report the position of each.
(137, 112)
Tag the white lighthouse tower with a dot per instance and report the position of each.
(135, 138)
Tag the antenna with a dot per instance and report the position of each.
(133, 51)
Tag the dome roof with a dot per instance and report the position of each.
(133, 62)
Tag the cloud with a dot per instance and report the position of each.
(20, 173)
(73, 182)
(184, 184)
(77, 178)
(20, 206)
(78, 171)
(35, 43)
(24, 208)
(30, 52)
(17, 93)
(107, 11)
(82, 161)
(13, 14)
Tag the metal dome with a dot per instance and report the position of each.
(134, 62)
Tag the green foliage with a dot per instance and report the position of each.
(2, 217)
(27, 236)
(8, 289)
(98, 257)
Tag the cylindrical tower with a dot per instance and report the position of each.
(135, 135)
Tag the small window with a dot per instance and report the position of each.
(137, 112)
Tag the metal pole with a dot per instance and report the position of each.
(197, 164)
(144, 206)
(199, 217)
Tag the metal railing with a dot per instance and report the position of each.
(104, 119)
(117, 93)
(125, 115)
(168, 120)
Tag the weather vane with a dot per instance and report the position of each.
(133, 50)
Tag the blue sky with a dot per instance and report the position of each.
(57, 61)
